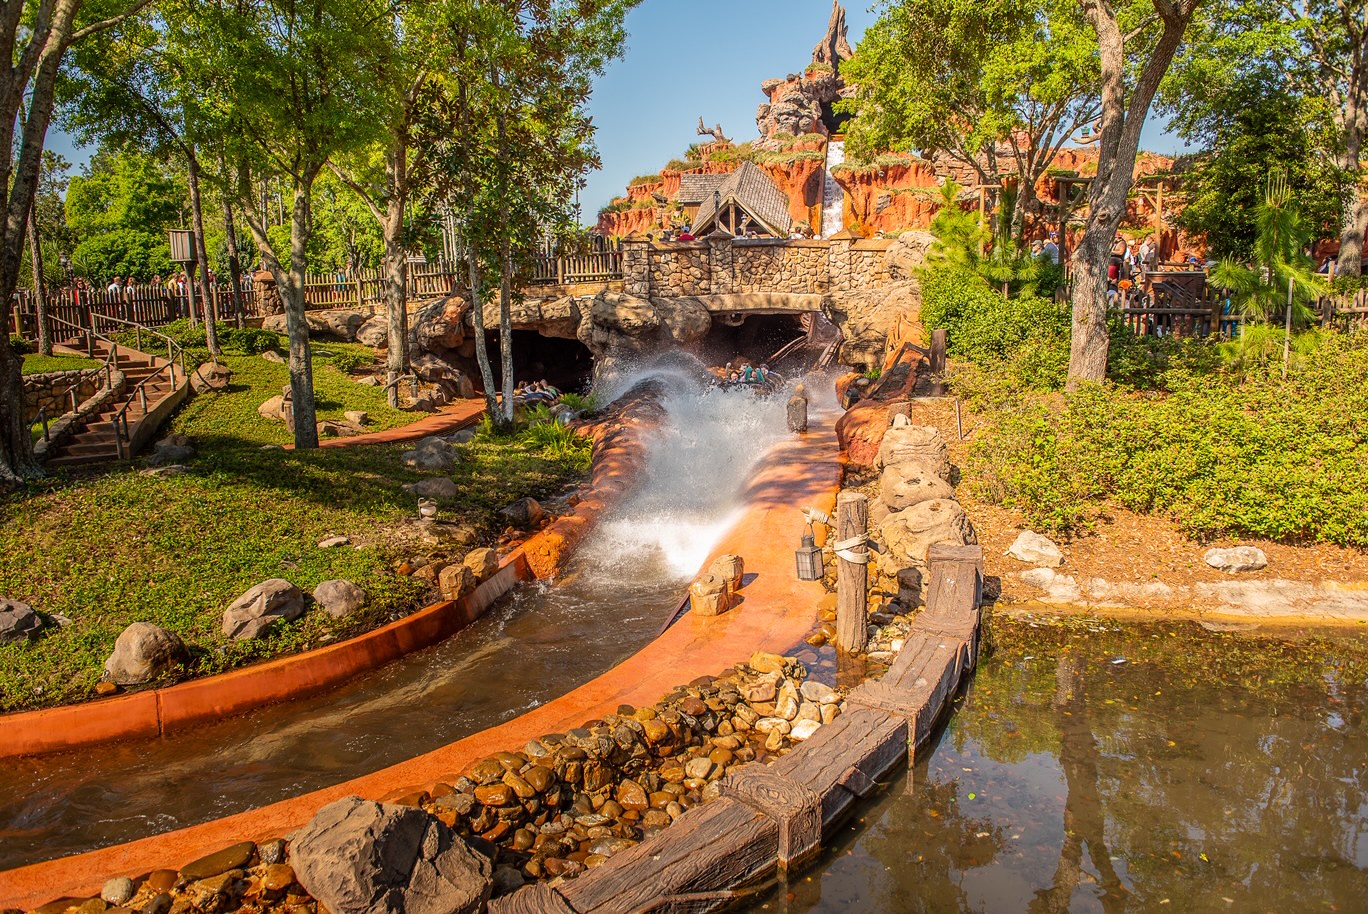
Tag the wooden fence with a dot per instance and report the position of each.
(154, 306)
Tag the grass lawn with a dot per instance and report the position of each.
(108, 550)
(38, 364)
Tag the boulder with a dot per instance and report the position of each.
(909, 483)
(339, 597)
(338, 324)
(273, 409)
(373, 333)
(483, 563)
(360, 857)
(908, 443)
(1236, 559)
(18, 622)
(210, 377)
(455, 581)
(430, 454)
(251, 614)
(441, 326)
(523, 514)
(332, 542)
(860, 431)
(143, 652)
(270, 355)
(331, 428)
(440, 488)
(686, 320)
(618, 312)
(168, 451)
(909, 533)
(1035, 549)
(357, 417)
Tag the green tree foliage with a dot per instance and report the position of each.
(960, 77)
(124, 189)
(119, 211)
(1260, 289)
(510, 138)
(1268, 129)
(1306, 59)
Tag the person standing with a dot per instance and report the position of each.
(1051, 247)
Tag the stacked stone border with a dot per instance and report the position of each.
(776, 816)
(619, 455)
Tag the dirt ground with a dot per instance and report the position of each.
(1124, 546)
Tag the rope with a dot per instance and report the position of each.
(843, 549)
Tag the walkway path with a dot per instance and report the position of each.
(777, 612)
(453, 418)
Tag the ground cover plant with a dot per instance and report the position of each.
(103, 551)
(1212, 436)
(39, 364)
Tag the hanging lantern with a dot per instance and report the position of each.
(808, 559)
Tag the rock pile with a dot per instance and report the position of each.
(565, 803)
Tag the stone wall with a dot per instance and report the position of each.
(680, 269)
(721, 265)
(49, 391)
(781, 266)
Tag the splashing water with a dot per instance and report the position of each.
(697, 463)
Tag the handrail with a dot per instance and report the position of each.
(175, 352)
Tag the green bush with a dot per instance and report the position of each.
(248, 340)
(20, 345)
(1262, 457)
(347, 360)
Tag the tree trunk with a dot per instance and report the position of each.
(396, 271)
(1123, 115)
(292, 296)
(197, 232)
(506, 328)
(40, 302)
(234, 264)
(481, 343)
(1350, 261)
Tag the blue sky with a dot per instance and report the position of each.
(687, 58)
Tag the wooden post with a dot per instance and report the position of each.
(937, 351)
(852, 576)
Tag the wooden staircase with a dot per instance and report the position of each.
(147, 386)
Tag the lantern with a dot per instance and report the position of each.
(808, 559)
(427, 509)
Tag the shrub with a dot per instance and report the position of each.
(1262, 457)
(20, 345)
(248, 340)
(348, 360)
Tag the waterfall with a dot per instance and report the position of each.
(833, 195)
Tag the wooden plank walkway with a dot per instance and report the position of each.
(453, 418)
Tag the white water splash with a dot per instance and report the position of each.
(697, 463)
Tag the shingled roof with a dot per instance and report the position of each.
(752, 190)
(697, 188)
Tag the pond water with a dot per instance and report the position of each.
(1097, 767)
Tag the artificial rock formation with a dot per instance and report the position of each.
(142, 653)
(269, 602)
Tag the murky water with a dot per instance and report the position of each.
(1093, 767)
(538, 644)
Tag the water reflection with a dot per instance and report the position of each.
(1110, 769)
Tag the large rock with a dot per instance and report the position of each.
(273, 409)
(911, 482)
(441, 326)
(142, 653)
(431, 453)
(359, 857)
(272, 601)
(338, 324)
(618, 312)
(908, 534)
(920, 444)
(18, 622)
(373, 333)
(449, 379)
(210, 377)
(339, 597)
(483, 563)
(1034, 549)
(172, 449)
(686, 320)
(440, 488)
(1236, 559)
(523, 514)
